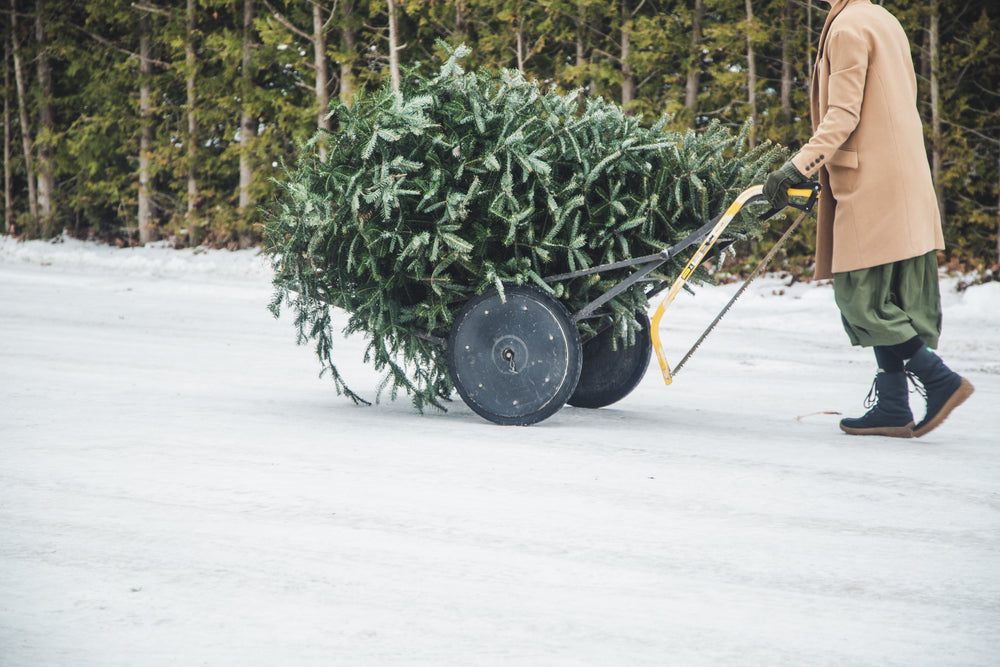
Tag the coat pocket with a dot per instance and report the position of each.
(844, 158)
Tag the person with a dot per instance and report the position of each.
(878, 225)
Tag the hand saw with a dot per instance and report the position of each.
(751, 195)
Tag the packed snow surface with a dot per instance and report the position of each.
(179, 487)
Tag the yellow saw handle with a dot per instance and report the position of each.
(752, 195)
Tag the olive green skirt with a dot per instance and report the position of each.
(891, 303)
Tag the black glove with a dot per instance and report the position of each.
(777, 184)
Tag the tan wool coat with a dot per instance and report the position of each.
(878, 204)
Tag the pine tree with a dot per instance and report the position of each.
(468, 182)
(95, 101)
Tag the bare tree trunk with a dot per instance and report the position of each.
(628, 78)
(459, 16)
(751, 74)
(519, 46)
(192, 123)
(147, 232)
(349, 42)
(348, 84)
(694, 73)
(924, 73)
(586, 26)
(809, 41)
(394, 46)
(936, 104)
(248, 120)
(581, 47)
(786, 66)
(319, 61)
(22, 105)
(46, 120)
(8, 205)
(581, 51)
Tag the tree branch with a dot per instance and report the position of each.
(984, 137)
(108, 43)
(607, 55)
(648, 78)
(635, 11)
(151, 9)
(333, 12)
(285, 22)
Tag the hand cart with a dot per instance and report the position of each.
(517, 358)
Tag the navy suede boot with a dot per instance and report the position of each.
(945, 388)
(890, 409)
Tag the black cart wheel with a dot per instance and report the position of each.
(514, 362)
(609, 375)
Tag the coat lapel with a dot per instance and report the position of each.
(838, 6)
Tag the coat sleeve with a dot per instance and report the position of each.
(847, 54)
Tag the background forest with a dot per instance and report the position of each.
(136, 121)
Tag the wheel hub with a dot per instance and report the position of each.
(510, 354)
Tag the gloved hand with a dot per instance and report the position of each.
(777, 184)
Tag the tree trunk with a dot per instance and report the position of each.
(936, 104)
(394, 46)
(628, 78)
(8, 206)
(924, 71)
(751, 74)
(192, 126)
(587, 26)
(146, 228)
(581, 47)
(46, 120)
(581, 50)
(809, 42)
(519, 45)
(248, 120)
(694, 72)
(349, 44)
(319, 61)
(22, 106)
(786, 68)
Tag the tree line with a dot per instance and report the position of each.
(134, 120)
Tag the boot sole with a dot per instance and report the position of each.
(964, 390)
(889, 431)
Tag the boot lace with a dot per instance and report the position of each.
(872, 398)
(918, 386)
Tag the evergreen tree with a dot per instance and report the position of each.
(98, 130)
(968, 137)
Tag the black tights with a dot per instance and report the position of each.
(891, 358)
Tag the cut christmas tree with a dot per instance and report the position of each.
(463, 185)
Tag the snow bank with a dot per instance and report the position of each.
(156, 260)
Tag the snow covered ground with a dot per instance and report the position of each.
(178, 487)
